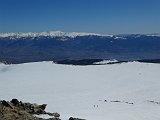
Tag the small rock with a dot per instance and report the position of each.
(43, 107)
(15, 102)
(131, 103)
(56, 115)
(71, 118)
(116, 101)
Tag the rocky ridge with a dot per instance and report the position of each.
(18, 110)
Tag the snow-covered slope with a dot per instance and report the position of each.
(81, 91)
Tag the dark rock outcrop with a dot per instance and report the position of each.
(15, 102)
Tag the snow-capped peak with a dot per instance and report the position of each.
(49, 34)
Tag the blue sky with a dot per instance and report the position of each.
(100, 16)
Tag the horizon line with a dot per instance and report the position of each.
(153, 33)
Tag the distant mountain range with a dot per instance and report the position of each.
(59, 46)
